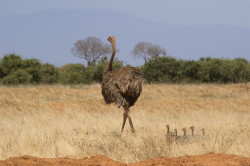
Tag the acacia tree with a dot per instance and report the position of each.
(91, 49)
(147, 50)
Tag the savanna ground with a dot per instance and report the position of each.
(73, 121)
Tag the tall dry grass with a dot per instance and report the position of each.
(73, 121)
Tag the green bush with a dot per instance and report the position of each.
(49, 74)
(162, 69)
(75, 74)
(17, 77)
(14, 70)
(240, 71)
(1, 71)
(14, 67)
(33, 67)
(10, 63)
(190, 71)
(206, 70)
(210, 70)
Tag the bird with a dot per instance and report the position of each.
(122, 86)
(170, 135)
(198, 137)
(205, 136)
(203, 131)
(192, 129)
(186, 138)
(180, 139)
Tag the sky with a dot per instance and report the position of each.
(173, 12)
(168, 13)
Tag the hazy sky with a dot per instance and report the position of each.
(175, 12)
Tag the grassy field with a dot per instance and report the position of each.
(74, 121)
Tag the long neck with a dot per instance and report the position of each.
(109, 65)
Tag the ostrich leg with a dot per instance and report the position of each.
(125, 115)
(130, 121)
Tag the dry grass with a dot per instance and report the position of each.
(58, 121)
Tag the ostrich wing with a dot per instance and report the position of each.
(128, 83)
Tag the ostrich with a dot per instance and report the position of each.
(203, 132)
(186, 138)
(192, 128)
(122, 86)
(179, 139)
(169, 133)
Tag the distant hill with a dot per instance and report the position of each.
(49, 35)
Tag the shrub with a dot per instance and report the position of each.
(49, 74)
(10, 63)
(14, 70)
(1, 71)
(208, 70)
(162, 69)
(17, 77)
(190, 71)
(14, 67)
(240, 70)
(75, 74)
(33, 67)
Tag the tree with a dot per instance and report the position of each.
(147, 51)
(91, 49)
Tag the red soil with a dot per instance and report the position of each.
(206, 159)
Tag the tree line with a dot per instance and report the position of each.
(158, 67)
(205, 70)
(15, 71)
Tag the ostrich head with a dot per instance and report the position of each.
(192, 128)
(112, 40)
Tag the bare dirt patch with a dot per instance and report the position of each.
(206, 159)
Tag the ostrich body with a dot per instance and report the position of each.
(122, 86)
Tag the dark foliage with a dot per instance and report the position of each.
(49, 74)
(75, 74)
(14, 70)
(206, 70)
